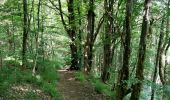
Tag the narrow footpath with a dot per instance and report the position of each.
(71, 89)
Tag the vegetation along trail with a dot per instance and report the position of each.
(112, 49)
(72, 89)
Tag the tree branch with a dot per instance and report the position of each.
(54, 7)
(61, 13)
(98, 28)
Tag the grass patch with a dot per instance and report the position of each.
(31, 96)
(45, 80)
(80, 76)
(101, 87)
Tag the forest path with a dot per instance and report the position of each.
(71, 89)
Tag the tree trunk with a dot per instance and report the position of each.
(108, 5)
(141, 53)
(163, 72)
(72, 34)
(71, 31)
(36, 36)
(88, 50)
(157, 58)
(123, 76)
(25, 33)
(80, 47)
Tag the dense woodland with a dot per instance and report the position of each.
(120, 47)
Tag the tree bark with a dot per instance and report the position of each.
(157, 58)
(123, 76)
(108, 18)
(72, 34)
(71, 31)
(88, 50)
(167, 39)
(80, 47)
(25, 33)
(136, 88)
(37, 35)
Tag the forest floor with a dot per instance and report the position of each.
(72, 89)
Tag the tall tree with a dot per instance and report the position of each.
(25, 32)
(166, 68)
(167, 37)
(80, 46)
(91, 36)
(37, 34)
(141, 52)
(108, 18)
(158, 56)
(72, 34)
(88, 51)
(71, 30)
(123, 76)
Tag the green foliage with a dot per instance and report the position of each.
(48, 77)
(99, 87)
(12, 63)
(53, 44)
(51, 89)
(4, 87)
(31, 96)
(49, 74)
(7, 78)
(11, 75)
(80, 76)
(25, 76)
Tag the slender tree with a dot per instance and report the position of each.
(25, 32)
(80, 47)
(88, 51)
(71, 30)
(158, 56)
(136, 88)
(123, 77)
(72, 34)
(168, 41)
(37, 34)
(108, 18)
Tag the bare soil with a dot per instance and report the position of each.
(71, 89)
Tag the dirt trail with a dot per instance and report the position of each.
(70, 89)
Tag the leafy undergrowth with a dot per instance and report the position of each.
(80, 76)
(101, 87)
(21, 84)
